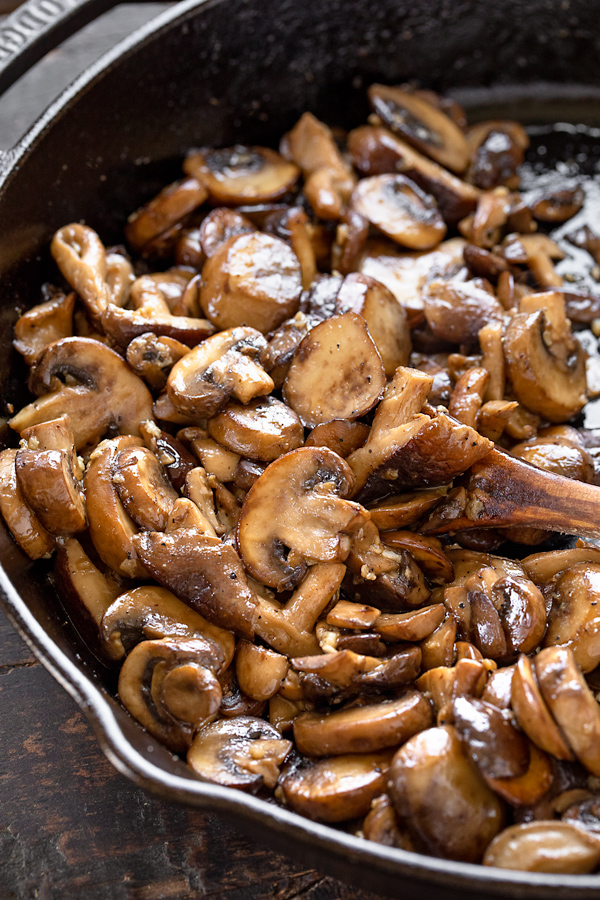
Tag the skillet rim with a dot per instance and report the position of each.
(99, 707)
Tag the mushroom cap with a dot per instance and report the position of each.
(545, 379)
(297, 505)
(107, 394)
(400, 209)
(336, 372)
(251, 279)
(243, 752)
(544, 846)
(242, 174)
(263, 429)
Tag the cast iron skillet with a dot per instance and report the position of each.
(213, 72)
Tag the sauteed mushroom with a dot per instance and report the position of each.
(242, 174)
(400, 209)
(42, 325)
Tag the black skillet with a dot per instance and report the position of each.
(216, 72)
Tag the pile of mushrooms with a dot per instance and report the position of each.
(276, 447)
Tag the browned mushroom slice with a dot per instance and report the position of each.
(352, 615)
(407, 449)
(403, 510)
(543, 567)
(169, 687)
(532, 713)
(400, 209)
(243, 753)
(575, 618)
(497, 150)
(285, 340)
(259, 670)
(111, 529)
(241, 174)
(328, 179)
(363, 729)
(169, 451)
(263, 429)
(152, 358)
(292, 225)
(443, 684)
(547, 371)
(340, 435)
(143, 487)
(22, 523)
(42, 325)
(495, 745)
(235, 703)
(426, 552)
(439, 648)
(422, 124)
(558, 848)
(188, 250)
(124, 325)
(336, 373)
(437, 789)
(376, 151)
(171, 205)
(456, 311)
(52, 489)
(555, 206)
(81, 257)
(153, 613)
(296, 511)
(204, 572)
(558, 450)
(414, 625)
(345, 669)
(498, 687)
(383, 826)
(106, 393)
(537, 252)
(252, 279)
(336, 789)
(201, 382)
(220, 225)
(571, 703)
(385, 318)
(379, 574)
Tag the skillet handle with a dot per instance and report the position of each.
(38, 26)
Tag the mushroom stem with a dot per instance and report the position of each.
(503, 491)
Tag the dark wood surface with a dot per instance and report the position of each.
(71, 827)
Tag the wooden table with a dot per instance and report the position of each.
(71, 827)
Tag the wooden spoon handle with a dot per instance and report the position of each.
(503, 491)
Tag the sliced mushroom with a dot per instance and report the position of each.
(259, 670)
(537, 252)
(171, 205)
(336, 789)
(414, 625)
(422, 124)
(218, 226)
(456, 311)
(152, 358)
(495, 745)
(22, 523)
(467, 397)
(153, 613)
(170, 688)
(169, 451)
(407, 449)
(292, 225)
(263, 429)
(555, 847)
(532, 713)
(201, 382)
(336, 373)
(253, 280)
(110, 528)
(558, 450)
(106, 393)
(437, 789)
(242, 174)
(243, 753)
(352, 672)
(204, 572)
(81, 257)
(383, 826)
(328, 178)
(363, 729)
(426, 551)
(543, 567)
(439, 648)
(235, 703)
(400, 209)
(575, 617)
(443, 684)
(385, 318)
(296, 511)
(340, 435)
(376, 151)
(403, 510)
(555, 206)
(42, 325)
(50, 480)
(124, 325)
(352, 615)
(143, 487)
(571, 703)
